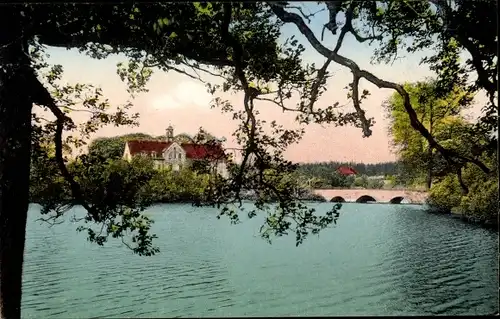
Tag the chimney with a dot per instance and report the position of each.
(170, 134)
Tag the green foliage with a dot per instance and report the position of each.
(107, 147)
(481, 201)
(239, 42)
(447, 29)
(374, 183)
(108, 189)
(360, 181)
(440, 115)
(445, 194)
(186, 185)
(113, 147)
(441, 27)
(458, 186)
(114, 190)
(339, 180)
(326, 175)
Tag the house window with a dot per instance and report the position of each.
(179, 156)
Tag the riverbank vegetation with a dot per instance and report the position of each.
(370, 176)
(191, 184)
(243, 46)
(310, 175)
(458, 187)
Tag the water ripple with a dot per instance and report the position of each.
(381, 261)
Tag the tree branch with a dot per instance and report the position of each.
(365, 124)
(251, 122)
(288, 17)
(41, 96)
(306, 16)
(477, 59)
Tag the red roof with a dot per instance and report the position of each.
(200, 151)
(345, 170)
(193, 151)
(143, 146)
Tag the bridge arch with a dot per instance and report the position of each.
(397, 200)
(337, 199)
(365, 199)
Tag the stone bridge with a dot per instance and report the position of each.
(373, 195)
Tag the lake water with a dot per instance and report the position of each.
(379, 260)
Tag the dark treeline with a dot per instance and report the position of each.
(327, 168)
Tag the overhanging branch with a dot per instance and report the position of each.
(41, 96)
(288, 17)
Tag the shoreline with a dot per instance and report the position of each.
(486, 224)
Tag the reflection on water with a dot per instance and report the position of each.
(380, 260)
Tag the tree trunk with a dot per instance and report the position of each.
(15, 131)
(463, 186)
(429, 168)
(429, 149)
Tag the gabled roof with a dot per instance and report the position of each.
(201, 151)
(345, 170)
(144, 146)
(193, 151)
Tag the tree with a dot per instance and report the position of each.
(390, 23)
(237, 42)
(360, 181)
(113, 147)
(435, 113)
(184, 186)
(457, 186)
(338, 180)
(480, 203)
(327, 175)
(374, 184)
(107, 147)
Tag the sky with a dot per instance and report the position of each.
(177, 100)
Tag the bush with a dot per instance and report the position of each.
(375, 184)
(169, 186)
(445, 194)
(481, 202)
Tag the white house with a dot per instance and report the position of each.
(168, 153)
